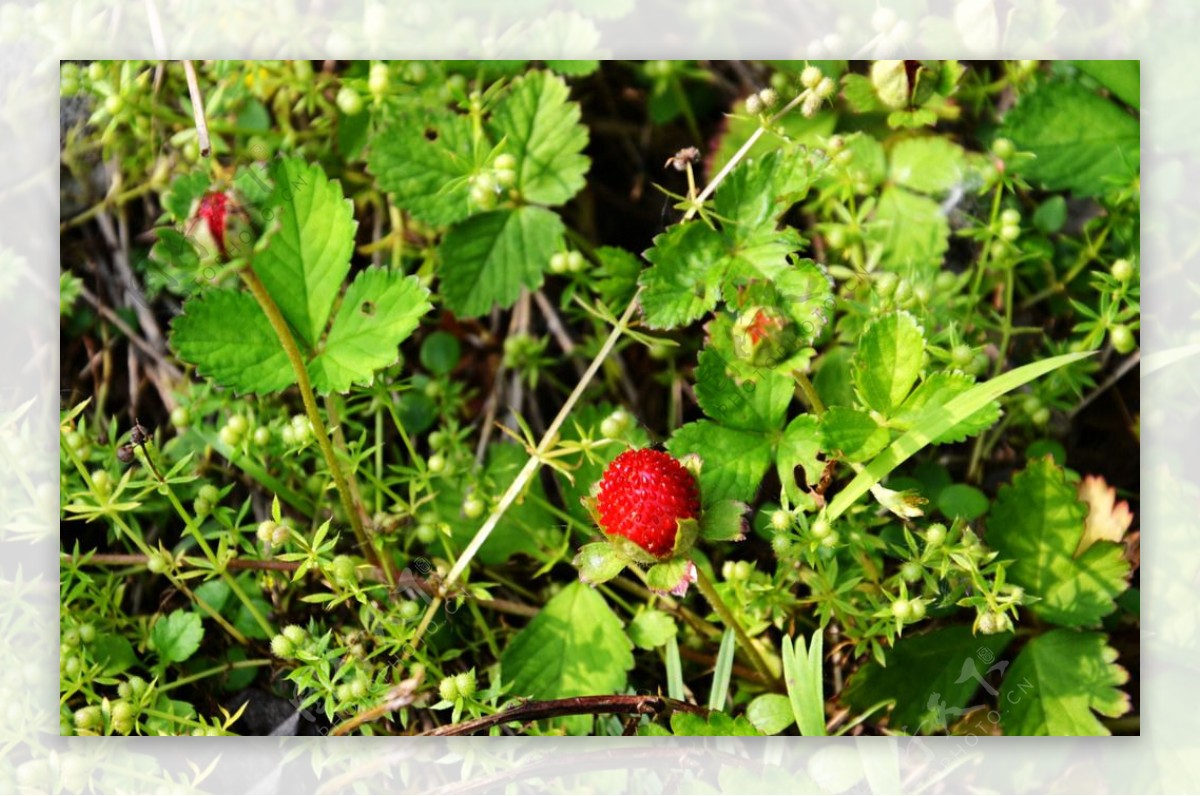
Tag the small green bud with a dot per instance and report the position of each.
(122, 716)
(1010, 232)
(262, 436)
(282, 647)
(615, 424)
(409, 610)
(295, 634)
(911, 571)
(70, 637)
(811, 76)
(377, 82)
(266, 531)
(575, 262)
(1122, 338)
(472, 508)
(826, 88)
(114, 104)
(281, 534)
(558, 263)
(181, 417)
(763, 336)
(238, 423)
(448, 688)
(229, 437)
(436, 463)
(900, 608)
(916, 610)
(157, 562)
(935, 534)
(505, 160)
(820, 528)
(465, 684)
(88, 718)
(1122, 270)
(87, 633)
(1010, 217)
(1003, 148)
(342, 570)
(425, 533)
(781, 520)
(102, 481)
(961, 355)
(349, 101)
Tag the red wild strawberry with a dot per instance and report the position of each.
(213, 209)
(642, 496)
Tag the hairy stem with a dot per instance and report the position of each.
(259, 291)
(710, 593)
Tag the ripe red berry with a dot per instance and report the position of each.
(212, 210)
(642, 496)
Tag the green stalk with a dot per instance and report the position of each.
(714, 599)
(275, 317)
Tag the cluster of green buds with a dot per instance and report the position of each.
(489, 184)
(818, 87)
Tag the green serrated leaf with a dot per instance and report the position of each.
(575, 646)
(1037, 521)
(380, 310)
(651, 629)
(852, 433)
(618, 275)
(1081, 141)
(683, 282)
(540, 126)
(113, 652)
(598, 562)
(753, 405)
(733, 460)
(486, 259)
(937, 420)
(177, 636)
(912, 230)
(573, 68)
(930, 164)
(1058, 681)
(307, 260)
(931, 677)
(425, 164)
(225, 334)
(762, 187)
(860, 94)
(183, 193)
(888, 361)
(672, 576)
(938, 389)
(800, 447)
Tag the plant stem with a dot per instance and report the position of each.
(810, 394)
(630, 704)
(225, 667)
(710, 593)
(269, 308)
(526, 473)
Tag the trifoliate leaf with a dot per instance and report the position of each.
(1057, 682)
(733, 461)
(425, 164)
(379, 311)
(540, 126)
(932, 677)
(683, 282)
(1038, 522)
(307, 260)
(912, 230)
(888, 361)
(575, 646)
(753, 405)
(930, 164)
(1083, 142)
(936, 391)
(225, 334)
(852, 433)
(651, 629)
(800, 447)
(486, 259)
(177, 636)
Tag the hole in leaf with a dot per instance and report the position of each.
(431, 134)
(367, 308)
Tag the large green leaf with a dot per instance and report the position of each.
(306, 261)
(425, 163)
(177, 636)
(931, 164)
(733, 460)
(1057, 682)
(888, 361)
(1082, 142)
(931, 677)
(761, 188)
(800, 447)
(1037, 521)
(486, 259)
(379, 311)
(912, 230)
(682, 282)
(853, 434)
(753, 406)
(575, 646)
(225, 334)
(540, 126)
(936, 420)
